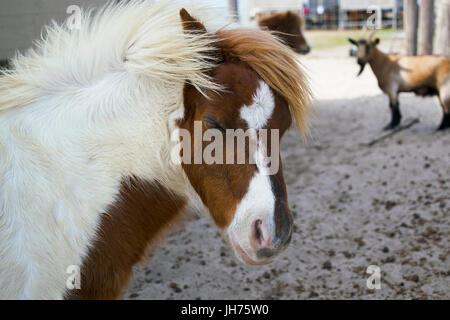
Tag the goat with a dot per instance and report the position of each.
(423, 75)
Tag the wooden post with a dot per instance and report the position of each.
(426, 28)
(442, 29)
(410, 15)
(395, 15)
(233, 9)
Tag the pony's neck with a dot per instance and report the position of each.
(142, 212)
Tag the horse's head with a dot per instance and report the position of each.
(289, 27)
(243, 187)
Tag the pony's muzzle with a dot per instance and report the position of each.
(266, 244)
(269, 253)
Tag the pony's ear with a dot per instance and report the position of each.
(190, 23)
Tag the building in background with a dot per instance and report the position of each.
(354, 13)
(21, 21)
(334, 14)
(326, 14)
(322, 14)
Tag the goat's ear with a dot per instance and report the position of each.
(190, 23)
(352, 41)
(376, 42)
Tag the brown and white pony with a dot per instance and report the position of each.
(289, 27)
(88, 120)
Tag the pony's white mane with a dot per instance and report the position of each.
(137, 37)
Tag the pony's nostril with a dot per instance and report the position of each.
(260, 235)
(258, 232)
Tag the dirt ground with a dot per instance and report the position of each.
(387, 205)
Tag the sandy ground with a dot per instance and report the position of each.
(354, 206)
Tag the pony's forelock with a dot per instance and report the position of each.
(277, 65)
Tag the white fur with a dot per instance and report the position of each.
(85, 110)
(259, 112)
(258, 203)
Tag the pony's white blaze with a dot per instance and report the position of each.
(258, 203)
(257, 115)
(259, 112)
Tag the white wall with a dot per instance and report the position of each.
(21, 21)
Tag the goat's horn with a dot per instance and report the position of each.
(363, 31)
(372, 34)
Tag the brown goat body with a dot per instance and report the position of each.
(423, 75)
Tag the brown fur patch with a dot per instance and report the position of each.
(425, 70)
(140, 214)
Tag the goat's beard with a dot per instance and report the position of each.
(362, 65)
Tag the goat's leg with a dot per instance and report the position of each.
(445, 104)
(395, 114)
(445, 124)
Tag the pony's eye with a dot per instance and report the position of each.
(210, 123)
